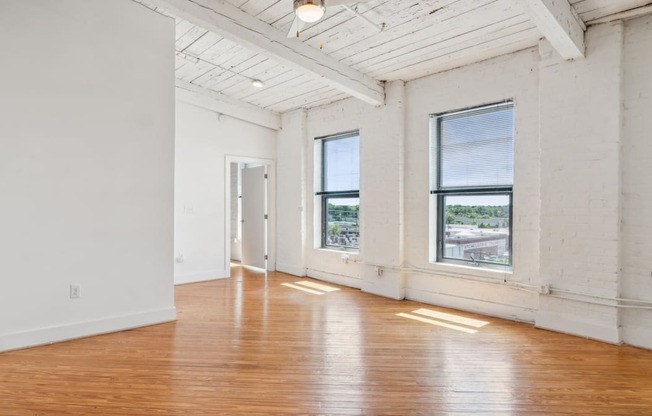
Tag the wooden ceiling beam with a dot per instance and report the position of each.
(220, 103)
(560, 24)
(228, 21)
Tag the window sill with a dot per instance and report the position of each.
(469, 271)
(339, 251)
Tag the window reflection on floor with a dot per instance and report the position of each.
(318, 286)
(303, 289)
(311, 287)
(445, 320)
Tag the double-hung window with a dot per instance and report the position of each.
(339, 192)
(472, 171)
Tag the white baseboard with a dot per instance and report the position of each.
(567, 325)
(384, 290)
(290, 269)
(390, 284)
(637, 335)
(50, 335)
(182, 279)
(337, 279)
(511, 312)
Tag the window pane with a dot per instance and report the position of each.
(342, 229)
(342, 164)
(477, 148)
(476, 228)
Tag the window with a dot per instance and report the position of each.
(472, 160)
(340, 191)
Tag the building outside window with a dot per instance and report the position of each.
(472, 175)
(339, 192)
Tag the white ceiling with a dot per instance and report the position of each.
(418, 38)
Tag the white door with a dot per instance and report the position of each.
(253, 217)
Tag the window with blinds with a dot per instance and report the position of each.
(472, 173)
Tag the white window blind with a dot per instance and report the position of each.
(476, 148)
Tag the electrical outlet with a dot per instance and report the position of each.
(75, 291)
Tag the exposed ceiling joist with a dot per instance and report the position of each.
(232, 23)
(222, 104)
(627, 14)
(560, 24)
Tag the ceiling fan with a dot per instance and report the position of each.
(311, 11)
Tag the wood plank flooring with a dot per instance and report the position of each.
(281, 345)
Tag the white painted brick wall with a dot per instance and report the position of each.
(514, 76)
(580, 104)
(567, 187)
(347, 115)
(381, 190)
(636, 282)
(381, 133)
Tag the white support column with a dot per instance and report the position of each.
(291, 217)
(580, 136)
(383, 150)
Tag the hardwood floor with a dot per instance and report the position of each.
(252, 345)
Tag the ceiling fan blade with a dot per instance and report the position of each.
(295, 29)
(365, 18)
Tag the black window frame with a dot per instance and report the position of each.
(325, 196)
(442, 192)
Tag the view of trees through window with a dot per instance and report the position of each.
(477, 228)
(483, 216)
(472, 176)
(342, 228)
(340, 191)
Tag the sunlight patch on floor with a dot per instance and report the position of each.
(445, 320)
(311, 287)
(318, 286)
(451, 318)
(304, 289)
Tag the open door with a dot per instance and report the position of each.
(254, 224)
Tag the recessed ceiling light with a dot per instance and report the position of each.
(257, 83)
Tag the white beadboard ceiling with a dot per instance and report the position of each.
(418, 38)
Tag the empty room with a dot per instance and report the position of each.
(314, 207)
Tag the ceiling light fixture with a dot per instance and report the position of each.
(257, 83)
(309, 10)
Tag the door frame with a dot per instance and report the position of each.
(270, 202)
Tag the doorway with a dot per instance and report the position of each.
(249, 212)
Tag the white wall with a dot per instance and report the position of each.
(297, 237)
(580, 190)
(236, 243)
(636, 282)
(382, 136)
(86, 168)
(291, 194)
(204, 140)
(581, 170)
(510, 77)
